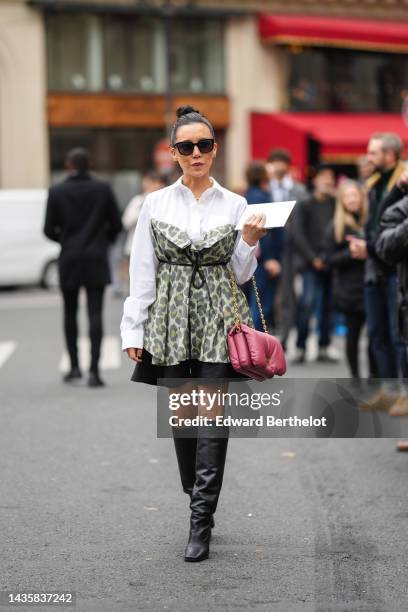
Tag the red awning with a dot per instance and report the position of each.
(335, 32)
(342, 136)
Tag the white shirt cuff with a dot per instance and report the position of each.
(132, 338)
(243, 248)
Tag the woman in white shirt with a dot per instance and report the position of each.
(176, 319)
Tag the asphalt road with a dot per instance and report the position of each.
(90, 499)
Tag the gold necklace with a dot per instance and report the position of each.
(198, 198)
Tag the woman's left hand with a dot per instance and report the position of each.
(253, 229)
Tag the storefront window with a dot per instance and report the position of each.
(117, 154)
(110, 149)
(120, 156)
(115, 53)
(347, 81)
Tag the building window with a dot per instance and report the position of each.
(131, 49)
(196, 56)
(111, 150)
(74, 52)
(340, 80)
(115, 53)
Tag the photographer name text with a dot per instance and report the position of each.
(260, 421)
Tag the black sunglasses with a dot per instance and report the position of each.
(186, 147)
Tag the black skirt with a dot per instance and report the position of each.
(148, 373)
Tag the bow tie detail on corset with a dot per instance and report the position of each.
(196, 263)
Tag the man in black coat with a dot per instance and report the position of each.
(384, 151)
(392, 247)
(83, 216)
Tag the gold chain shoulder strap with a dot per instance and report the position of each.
(234, 287)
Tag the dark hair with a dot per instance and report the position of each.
(323, 168)
(256, 174)
(78, 158)
(186, 115)
(280, 155)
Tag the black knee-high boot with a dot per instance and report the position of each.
(186, 458)
(185, 443)
(210, 462)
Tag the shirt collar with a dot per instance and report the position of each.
(179, 185)
(286, 182)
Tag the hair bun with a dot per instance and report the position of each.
(185, 110)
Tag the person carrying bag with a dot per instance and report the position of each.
(179, 312)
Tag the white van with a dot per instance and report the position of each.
(26, 255)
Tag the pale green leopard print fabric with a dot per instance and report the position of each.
(166, 329)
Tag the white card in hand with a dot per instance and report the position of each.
(277, 213)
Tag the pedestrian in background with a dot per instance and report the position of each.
(311, 218)
(348, 271)
(151, 181)
(270, 250)
(392, 247)
(381, 283)
(283, 187)
(365, 168)
(83, 216)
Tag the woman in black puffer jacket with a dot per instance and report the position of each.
(348, 272)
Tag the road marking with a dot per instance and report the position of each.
(6, 350)
(110, 354)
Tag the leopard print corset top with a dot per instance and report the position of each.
(192, 312)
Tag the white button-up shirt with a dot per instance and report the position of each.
(177, 205)
(281, 190)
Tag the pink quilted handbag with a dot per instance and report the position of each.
(253, 353)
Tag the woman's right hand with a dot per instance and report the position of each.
(135, 354)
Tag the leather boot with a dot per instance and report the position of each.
(210, 461)
(185, 443)
(186, 458)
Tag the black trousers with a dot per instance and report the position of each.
(94, 306)
(355, 321)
